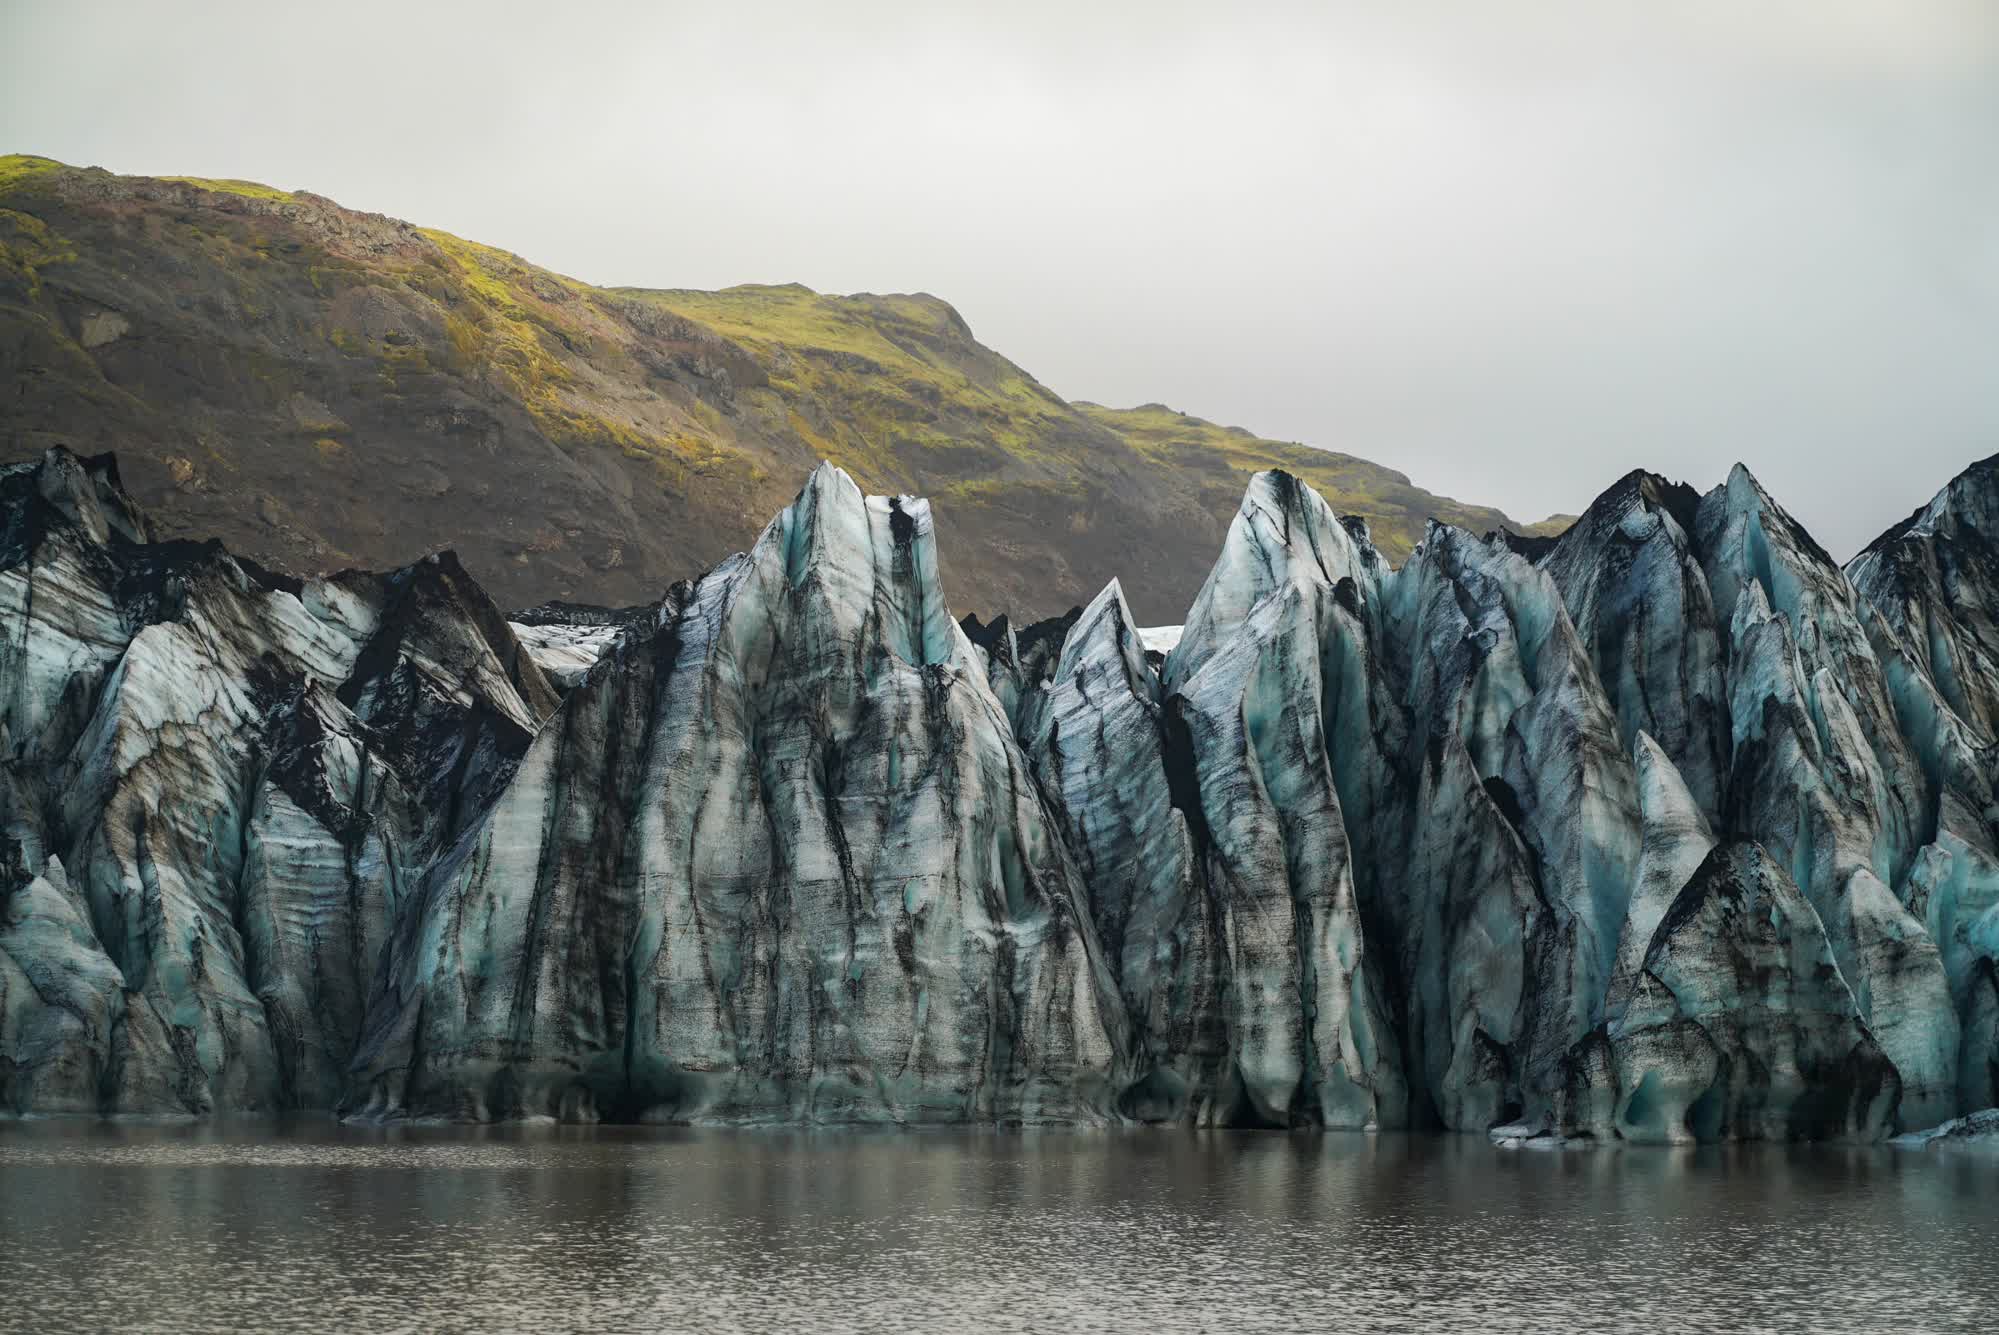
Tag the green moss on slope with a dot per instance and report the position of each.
(247, 189)
(1395, 508)
(321, 386)
(16, 169)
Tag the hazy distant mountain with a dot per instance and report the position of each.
(323, 388)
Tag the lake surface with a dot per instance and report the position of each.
(313, 1225)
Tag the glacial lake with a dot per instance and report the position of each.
(312, 1225)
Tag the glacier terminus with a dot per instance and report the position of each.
(1669, 829)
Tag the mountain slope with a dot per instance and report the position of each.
(325, 388)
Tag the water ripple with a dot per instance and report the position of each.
(310, 1226)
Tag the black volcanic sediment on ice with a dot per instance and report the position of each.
(1665, 829)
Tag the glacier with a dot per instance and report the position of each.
(1666, 830)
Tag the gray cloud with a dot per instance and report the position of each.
(1512, 249)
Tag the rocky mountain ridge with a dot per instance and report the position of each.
(1666, 830)
(324, 388)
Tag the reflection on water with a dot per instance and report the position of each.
(311, 1225)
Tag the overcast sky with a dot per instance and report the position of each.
(1513, 249)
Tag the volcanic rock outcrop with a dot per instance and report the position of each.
(1666, 830)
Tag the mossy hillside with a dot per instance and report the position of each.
(1395, 508)
(247, 189)
(16, 169)
(321, 386)
(894, 377)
